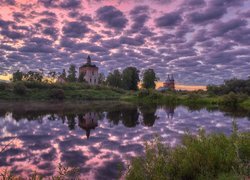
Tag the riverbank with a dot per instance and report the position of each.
(23, 91)
(190, 99)
(57, 91)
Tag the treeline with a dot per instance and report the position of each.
(127, 79)
(70, 76)
(238, 86)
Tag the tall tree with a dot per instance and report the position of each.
(63, 75)
(17, 76)
(101, 78)
(149, 79)
(130, 78)
(72, 73)
(81, 77)
(115, 79)
(33, 76)
(52, 75)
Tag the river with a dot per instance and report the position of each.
(99, 138)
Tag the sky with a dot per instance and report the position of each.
(199, 41)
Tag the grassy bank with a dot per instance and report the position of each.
(78, 91)
(199, 157)
(69, 91)
(190, 99)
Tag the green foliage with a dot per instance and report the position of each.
(101, 79)
(63, 172)
(81, 77)
(3, 86)
(20, 88)
(149, 78)
(33, 76)
(204, 157)
(143, 93)
(57, 94)
(114, 79)
(130, 78)
(17, 76)
(63, 74)
(232, 85)
(232, 99)
(72, 73)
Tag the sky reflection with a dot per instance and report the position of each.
(97, 140)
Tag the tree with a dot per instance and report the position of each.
(17, 76)
(52, 76)
(33, 76)
(81, 77)
(130, 78)
(115, 79)
(63, 75)
(149, 79)
(101, 78)
(72, 73)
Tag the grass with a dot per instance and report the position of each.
(246, 104)
(189, 99)
(79, 91)
(213, 156)
(63, 172)
(69, 91)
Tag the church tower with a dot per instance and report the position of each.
(90, 72)
(169, 83)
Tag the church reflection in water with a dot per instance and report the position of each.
(170, 111)
(88, 122)
(128, 117)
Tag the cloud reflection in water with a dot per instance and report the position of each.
(98, 141)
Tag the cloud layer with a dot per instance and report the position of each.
(199, 41)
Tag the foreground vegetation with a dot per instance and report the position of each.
(213, 156)
(63, 172)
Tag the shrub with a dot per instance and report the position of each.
(143, 93)
(20, 88)
(57, 94)
(231, 99)
(194, 96)
(203, 157)
(3, 86)
(36, 84)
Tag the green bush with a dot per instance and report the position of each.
(231, 99)
(57, 94)
(204, 157)
(3, 86)
(194, 96)
(36, 85)
(20, 88)
(143, 93)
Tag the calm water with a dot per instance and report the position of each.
(98, 137)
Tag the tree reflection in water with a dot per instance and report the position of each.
(115, 132)
(148, 114)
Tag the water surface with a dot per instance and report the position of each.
(97, 137)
